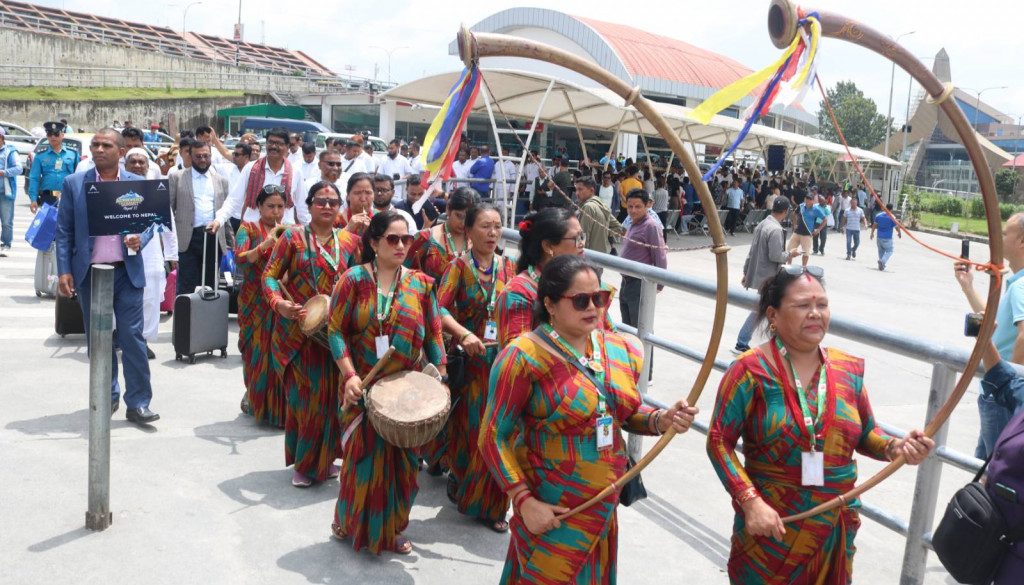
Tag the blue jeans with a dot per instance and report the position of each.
(884, 250)
(747, 330)
(6, 220)
(994, 417)
(852, 241)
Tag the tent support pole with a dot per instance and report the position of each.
(526, 153)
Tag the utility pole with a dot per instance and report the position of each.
(238, 34)
(888, 122)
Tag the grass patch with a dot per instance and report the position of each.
(943, 222)
(108, 93)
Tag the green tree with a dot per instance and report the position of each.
(858, 117)
(1006, 182)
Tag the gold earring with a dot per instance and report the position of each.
(772, 328)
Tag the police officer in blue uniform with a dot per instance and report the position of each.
(50, 166)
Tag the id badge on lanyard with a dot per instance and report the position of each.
(381, 344)
(812, 468)
(59, 164)
(604, 428)
(491, 330)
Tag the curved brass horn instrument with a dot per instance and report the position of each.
(473, 47)
(782, 27)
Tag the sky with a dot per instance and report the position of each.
(984, 42)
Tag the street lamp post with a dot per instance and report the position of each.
(184, 15)
(977, 103)
(389, 52)
(888, 121)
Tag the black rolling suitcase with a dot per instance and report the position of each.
(67, 316)
(200, 323)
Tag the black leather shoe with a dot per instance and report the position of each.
(142, 415)
(114, 405)
(150, 354)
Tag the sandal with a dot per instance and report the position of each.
(403, 545)
(333, 472)
(337, 533)
(246, 406)
(499, 526)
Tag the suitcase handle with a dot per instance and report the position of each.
(207, 293)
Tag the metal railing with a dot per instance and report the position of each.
(946, 362)
(251, 81)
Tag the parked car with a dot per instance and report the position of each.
(260, 126)
(23, 140)
(380, 147)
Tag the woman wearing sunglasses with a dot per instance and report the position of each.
(467, 295)
(551, 432)
(435, 248)
(312, 257)
(546, 234)
(254, 243)
(802, 410)
(376, 305)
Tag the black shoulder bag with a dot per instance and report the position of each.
(972, 536)
(634, 489)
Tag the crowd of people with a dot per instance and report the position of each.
(541, 383)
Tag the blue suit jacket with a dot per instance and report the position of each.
(74, 246)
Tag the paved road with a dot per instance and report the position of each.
(203, 496)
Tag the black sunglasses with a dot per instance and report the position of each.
(393, 239)
(581, 301)
(333, 165)
(326, 202)
(795, 270)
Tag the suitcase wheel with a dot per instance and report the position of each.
(223, 352)
(192, 359)
(63, 335)
(177, 357)
(39, 294)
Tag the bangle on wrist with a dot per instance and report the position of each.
(746, 495)
(465, 335)
(521, 497)
(890, 449)
(345, 377)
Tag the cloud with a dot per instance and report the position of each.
(982, 39)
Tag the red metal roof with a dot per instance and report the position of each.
(1018, 161)
(660, 57)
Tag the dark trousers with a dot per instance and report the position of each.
(190, 262)
(629, 304)
(730, 220)
(819, 241)
(128, 313)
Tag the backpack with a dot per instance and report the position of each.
(972, 537)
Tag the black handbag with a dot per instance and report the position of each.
(634, 490)
(972, 537)
(456, 368)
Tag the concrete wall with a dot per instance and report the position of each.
(29, 48)
(89, 116)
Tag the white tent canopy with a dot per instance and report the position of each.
(519, 94)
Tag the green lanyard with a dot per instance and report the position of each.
(385, 300)
(593, 363)
(311, 238)
(533, 274)
(810, 423)
(452, 250)
(494, 283)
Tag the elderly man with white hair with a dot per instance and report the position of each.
(154, 254)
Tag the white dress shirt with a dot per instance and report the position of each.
(309, 170)
(202, 194)
(461, 169)
(396, 166)
(236, 198)
(295, 157)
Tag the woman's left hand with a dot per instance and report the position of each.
(679, 417)
(915, 447)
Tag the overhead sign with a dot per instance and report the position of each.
(127, 207)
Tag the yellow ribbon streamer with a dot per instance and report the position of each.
(736, 90)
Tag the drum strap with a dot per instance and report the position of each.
(351, 429)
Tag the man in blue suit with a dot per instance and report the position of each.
(77, 252)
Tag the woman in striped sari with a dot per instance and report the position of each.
(376, 305)
(467, 297)
(435, 248)
(254, 244)
(312, 257)
(566, 389)
(546, 234)
(798, 441)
